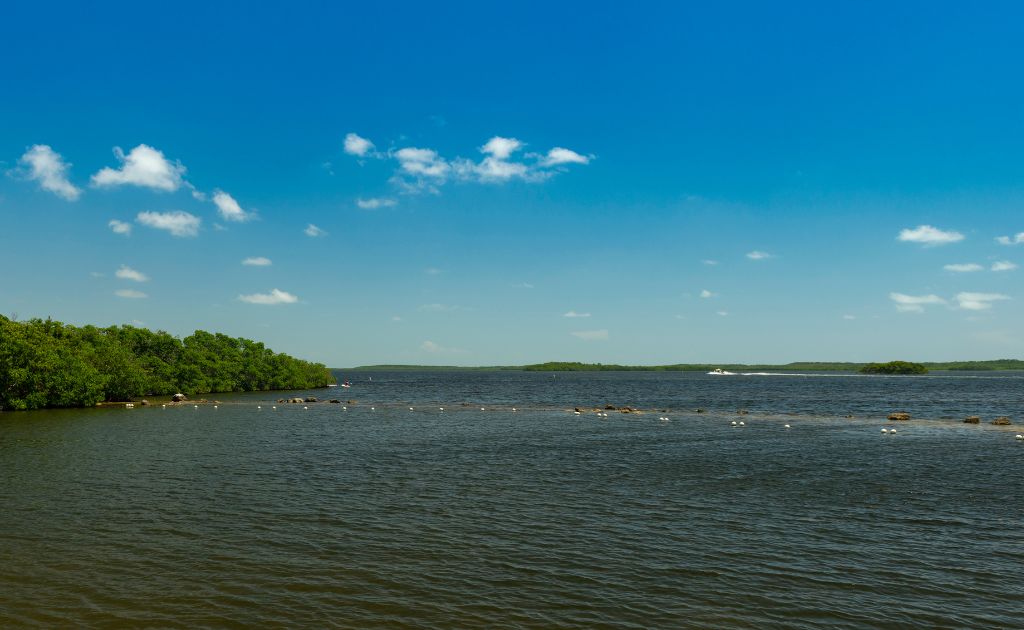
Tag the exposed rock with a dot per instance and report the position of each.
(1002, 421)
(609, 407)
(281, 400)
(178, 398)
(310, 399)
(899, 416)
(577, 409)
(350, 402)
(742, 412)
(699, 410)
(972, 419)
(144, 403)
(336, 401)
(296, 400)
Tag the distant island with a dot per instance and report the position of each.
(894, 367)
(45, 363)
(575, 366)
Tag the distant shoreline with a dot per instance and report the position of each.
(966, 366)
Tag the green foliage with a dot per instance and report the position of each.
(44, 363)
(894, 367)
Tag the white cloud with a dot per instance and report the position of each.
(178, 222)
(229, 209)
(758, 255)
(46, 166)
(591, 335)
(356, 145)
(849, 317)
(438, 308)
(376, 202)
(708, 262)
(575, 314)
(493, 169)
(257, 261)
(964, 267)
(120, 227)
(929, 236)
(978, 301)
(276, 296)
(560, 155)
(501, 148)
(706, 294)
(314, 231)
(130, 294)
(723, 313)
(396, 318)
(422, 163)
(1016, 239)
(143, 166)
(436, 348)
(914, 303)
(1003, 265)
(127, 273)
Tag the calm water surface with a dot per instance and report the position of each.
(326, 517)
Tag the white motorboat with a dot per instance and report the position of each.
(721, 372)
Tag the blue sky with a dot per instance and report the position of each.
(637, 183)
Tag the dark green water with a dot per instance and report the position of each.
(324, 517)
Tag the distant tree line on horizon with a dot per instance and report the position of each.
(45, 363)
(576, 366)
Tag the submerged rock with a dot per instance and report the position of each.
(972, 419)
(1002, 421)
(899, 416)
(335, 401)
(311, 399)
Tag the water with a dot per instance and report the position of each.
(237, 517)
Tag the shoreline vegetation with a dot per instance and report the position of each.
(574, 366)
(45, 363)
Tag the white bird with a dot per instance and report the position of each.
(215, 406)
(481, 408)
(785, 426)
(576, 413)
(305, 407)
(163, 406)
(274, 407)
(259, 406)
(1018, 437)
(344, 408)
(733, 423)
(742, 424)
(513, 409)
(196, 406)
(373, 409)
(884, 430)
(442, 408)
(410, 408)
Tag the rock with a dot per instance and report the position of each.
(699, 410)
(311, 399)
(609, 407)
(742, 412)
(577, 409)
(178, 398)
(972, 419)
(335, 401)
(296, 400)
(350, 402)
(1002, 421)
(144, 403)
(899, 416)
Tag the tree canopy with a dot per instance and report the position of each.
(45, 363)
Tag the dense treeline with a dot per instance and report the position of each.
(894, 367)
(572, 366)
(44, 363)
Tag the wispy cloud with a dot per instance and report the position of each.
(914, 303)
(560, 155)
(44, 165)
(978, 301)
(257, 261)
(591, 335)
(177, 222)
(438, 308)
(929, 236)
(127, 273)
(229, 209)
(120, 227)
(432, 271)
(1003, 265)
(706, 294)
(313, 231)
(709, 262)
(1016, 239)
(143, 166)
(575, 314)
(130, 294)
(522, 285)
(964, 267)
(436, 348)
(357, 145)
(849, 317)
(276, 296)
(723, 313)
(759, 255)
(375, 202)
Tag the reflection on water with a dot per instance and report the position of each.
(241, 516)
